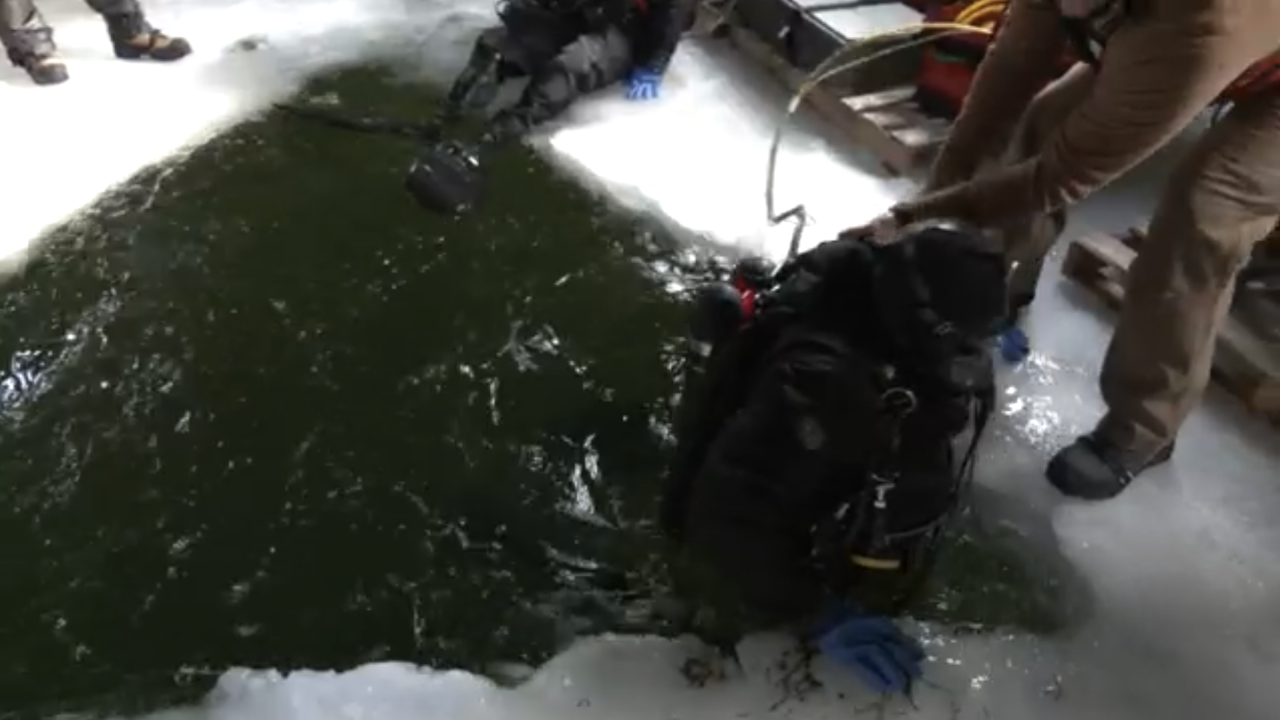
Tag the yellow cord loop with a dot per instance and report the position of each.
(979, 17)
(982, 13)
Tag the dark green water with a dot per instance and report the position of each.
(259, 410)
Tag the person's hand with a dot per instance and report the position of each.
(882, 229)
(643, 84)
(876, 650)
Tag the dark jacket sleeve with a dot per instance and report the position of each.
(657, 32)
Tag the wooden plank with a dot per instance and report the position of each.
(1134, 237)
(1258, 306)
(891, 125)
(885, 121)
(1255, 304)
(1092, 261)
(885, 99)
(1246, 364)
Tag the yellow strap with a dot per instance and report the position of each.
(874, 563)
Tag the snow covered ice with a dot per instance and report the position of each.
(69, 143)
(1183, 569)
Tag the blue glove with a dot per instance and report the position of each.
(643, 84)
(880, 654)
(1014, 345)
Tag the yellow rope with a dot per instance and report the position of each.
(833, 66)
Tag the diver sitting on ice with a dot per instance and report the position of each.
(819, 453)
(565, 49)
(28, 39)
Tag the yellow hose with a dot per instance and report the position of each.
(833, 66)
(982, 13)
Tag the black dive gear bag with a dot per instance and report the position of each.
(446, 178)
(818, 429)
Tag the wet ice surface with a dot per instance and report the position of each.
(718, 110)
(69, 143)
(1184, 567)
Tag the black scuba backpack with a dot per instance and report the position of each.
(920, 311)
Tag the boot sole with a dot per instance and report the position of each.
(1051, 474)
(50, 82)
(57, 77)
(144, 55)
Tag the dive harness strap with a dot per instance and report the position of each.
(899, 402)
(861, 544)
(896, 403)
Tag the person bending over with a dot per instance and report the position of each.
(1152, 67)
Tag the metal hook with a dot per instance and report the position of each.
(802, 220)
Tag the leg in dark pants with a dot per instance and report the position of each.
(496, 58)
(115, 7)
(132, 37)
(589, 63)
(24, 32)
(125, 18)
(28, 39)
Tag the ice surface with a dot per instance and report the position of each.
(65, 145)
(1184, 568)
(718, 111)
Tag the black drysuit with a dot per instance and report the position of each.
(25, 34)
(793, 419)
(567, 49)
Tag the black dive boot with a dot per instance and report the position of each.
(133, 38)
(505, 126)
(1093, 468)
(43, 69)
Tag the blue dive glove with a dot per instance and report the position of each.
(643, 84)
(879, 653)
(1014, 345)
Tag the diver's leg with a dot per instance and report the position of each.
(28, 41)
(478, 84)
(1219, 202)
(589, 63)
(132, 37)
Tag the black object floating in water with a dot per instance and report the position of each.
(446, 178)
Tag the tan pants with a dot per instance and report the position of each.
(1220, 201)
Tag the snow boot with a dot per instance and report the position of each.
(43, 69)
(133, 38)
(1093, 468)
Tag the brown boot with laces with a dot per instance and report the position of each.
(133, 38)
